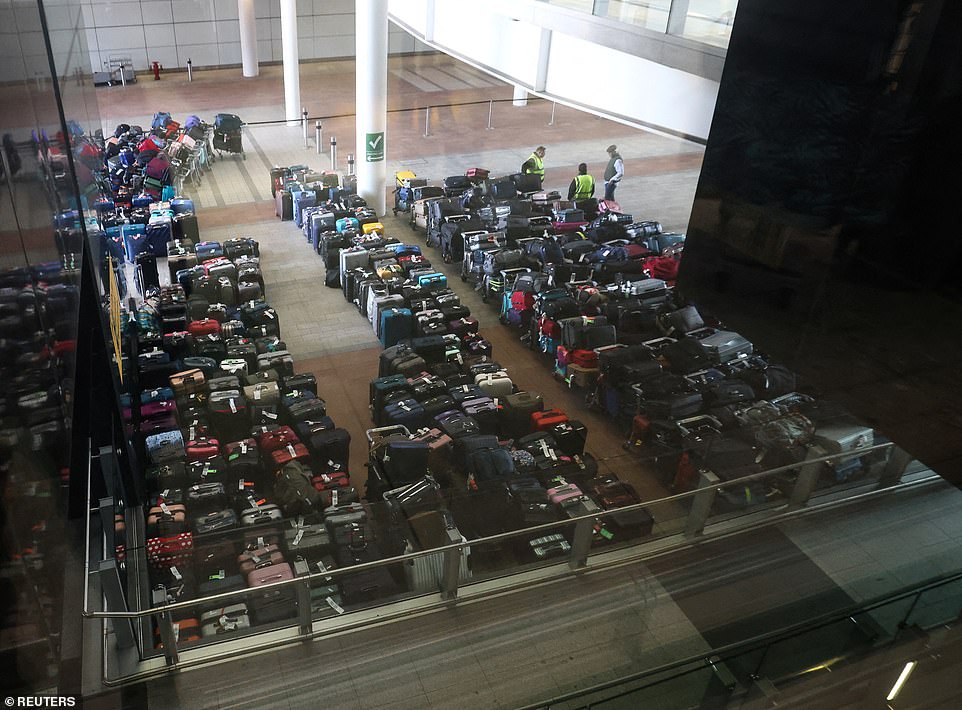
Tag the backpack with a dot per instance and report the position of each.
(293, 490)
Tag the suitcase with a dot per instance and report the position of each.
(283, 205)
(145, 272)
(495, 384)
(546, 419)
(396, 324)
(518, 409)
(723, 346)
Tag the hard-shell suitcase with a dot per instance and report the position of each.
(495, 384)
(283, 205)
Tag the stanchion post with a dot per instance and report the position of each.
(190, 70)
(553, 104)
(317, 136)
(304, 125)
(427, 121)
(490, 111)
(350, 163)
(333, 153)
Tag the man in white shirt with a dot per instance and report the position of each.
(614, 172)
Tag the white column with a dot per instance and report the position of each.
(544, 54)
(248, 37)
(292, 81)
(371, 67)
(520, 96)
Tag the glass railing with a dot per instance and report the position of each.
(706, 21)
(187, 631)
(787, 659)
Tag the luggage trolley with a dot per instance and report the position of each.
(475, 245)
(500, 284)
(404, 183)
(228, 136)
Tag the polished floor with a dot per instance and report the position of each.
(527, 647)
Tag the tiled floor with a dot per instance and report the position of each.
(529, 646)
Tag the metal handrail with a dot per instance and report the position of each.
(723, 653)
(491, 539)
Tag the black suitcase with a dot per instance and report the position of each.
(571, 437)
(145, 273)
(332, 445)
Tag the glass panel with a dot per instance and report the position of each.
(939, 606)
(652, 15)
(708, 21)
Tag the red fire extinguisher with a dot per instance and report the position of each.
(157, 68)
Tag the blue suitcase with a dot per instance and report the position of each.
(346, 223)
(407, 412)
(113, 246)
(404, 249)
(433, 281)
(135, 240)
(181, 205)
(209, 250)
(158, 234)
(141, 200)
(396, 325)
(302, 200)
(165, 446)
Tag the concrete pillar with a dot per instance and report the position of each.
(292, 81)
(520, 96)
(248, 37)
(371, 70)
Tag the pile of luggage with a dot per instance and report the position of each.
(248, 480)
(138, 211)
(457, 448)
(592, 289)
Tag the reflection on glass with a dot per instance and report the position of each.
(706, 21)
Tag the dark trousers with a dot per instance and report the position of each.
(610, 189)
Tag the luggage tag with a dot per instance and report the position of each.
(333, 604)
(291, 450)
(226, 623)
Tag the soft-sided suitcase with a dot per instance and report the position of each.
(518, 409)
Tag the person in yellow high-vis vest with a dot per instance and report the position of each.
(535, 163)
(583, 185)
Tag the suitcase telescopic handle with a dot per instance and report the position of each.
(686, 424)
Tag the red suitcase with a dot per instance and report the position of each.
(583, 358)
(330, 480)
(478, 173)
(207, 326)
(563, 227)
(605, 206)
(542, 421)
(277, 439)
(662, 267)
(201, 449)
(291, 452)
